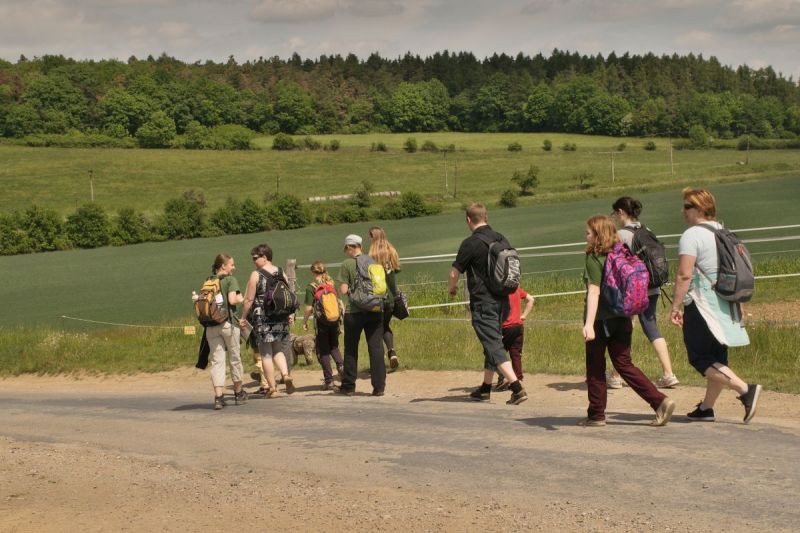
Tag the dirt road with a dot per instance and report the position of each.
(147, 452)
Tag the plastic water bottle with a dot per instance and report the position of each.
(194, 296)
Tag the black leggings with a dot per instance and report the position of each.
(388, 334)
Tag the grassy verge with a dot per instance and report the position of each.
(437, 339)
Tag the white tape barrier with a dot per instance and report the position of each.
(438, 258)
(118, 324)
(451, 304)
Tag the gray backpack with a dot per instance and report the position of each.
(503, 268)
(735, 279)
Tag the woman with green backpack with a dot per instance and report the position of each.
(322, 301)
(382, 251)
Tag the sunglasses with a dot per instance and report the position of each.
(689, 206)
(255, 257)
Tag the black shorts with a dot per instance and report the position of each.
(703, 349)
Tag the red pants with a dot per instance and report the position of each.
(513, 338)
(614, 334)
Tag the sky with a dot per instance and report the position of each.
(753, 32)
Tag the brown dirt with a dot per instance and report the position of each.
(109, 476)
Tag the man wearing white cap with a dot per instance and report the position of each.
(357, 318)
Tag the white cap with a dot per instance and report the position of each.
(352, 240)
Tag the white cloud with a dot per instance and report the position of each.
(293, 11)
(174, 30)
(695, 37)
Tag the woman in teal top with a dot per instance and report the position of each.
(382, 251)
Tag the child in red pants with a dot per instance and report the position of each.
(513, 333)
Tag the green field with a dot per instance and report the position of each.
(151, 283)
(480, 168)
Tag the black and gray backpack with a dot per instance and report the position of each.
(503, 269)
(735, 279)
(653, 254)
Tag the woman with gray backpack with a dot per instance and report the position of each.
(643, 243)
(710, 294)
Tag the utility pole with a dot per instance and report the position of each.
(613, 175)
(671, 162)
(91, 184)
(455, 179)
(444, 154)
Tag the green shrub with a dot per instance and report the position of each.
(89, 227)
(527, 181)
(569, 147)
(429, 146)
(698, 137)
(157, 132)
(283, 141)
(182, 218)
(508, 198)
(310, 143)
(129, 227)
(361, 196)
(547, 145)
(515, 147)
(410, 205)
(287, 212)
(410, 145)
(13, 239)
(334, 145)
(621, 147)
(650, 146)
(379, 146)
(44, 228)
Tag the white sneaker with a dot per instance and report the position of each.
(612, 381)
(667, 382)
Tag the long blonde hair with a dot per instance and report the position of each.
(318, 269)
(605, 234)
(381, 250)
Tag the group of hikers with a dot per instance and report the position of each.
(624, 275)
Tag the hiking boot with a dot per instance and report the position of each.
(343, 391)
(289, 384)
(701, 415)
(480, 395)
(664, 412)
(750, 401)
(240, 398)
(328, 386)
(591, 423)
(612, 381)
(518, 397)
(219, 402)
(262, 391)
(667, 382)
(378, 393)
(502, 384)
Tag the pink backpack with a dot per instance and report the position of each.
(625, 282)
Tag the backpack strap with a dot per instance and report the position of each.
(713, 230)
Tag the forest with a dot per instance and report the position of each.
(164, 102)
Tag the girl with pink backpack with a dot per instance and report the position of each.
(604, 329)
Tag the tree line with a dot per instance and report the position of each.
(161, 102)
(38, 229)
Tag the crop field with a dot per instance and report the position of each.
(149, 284)
(481, 167)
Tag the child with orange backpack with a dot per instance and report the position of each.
(321, 301)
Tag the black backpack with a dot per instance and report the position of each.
(503, 269)
(735, 279)
(278, 301)
(653, 254)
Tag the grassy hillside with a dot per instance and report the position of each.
(151, 283)
(480, 168)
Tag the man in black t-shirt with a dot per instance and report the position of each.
(488, 311)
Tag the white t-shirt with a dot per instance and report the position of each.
(701, 244)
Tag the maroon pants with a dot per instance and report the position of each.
(614, 334)
(513, 337)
